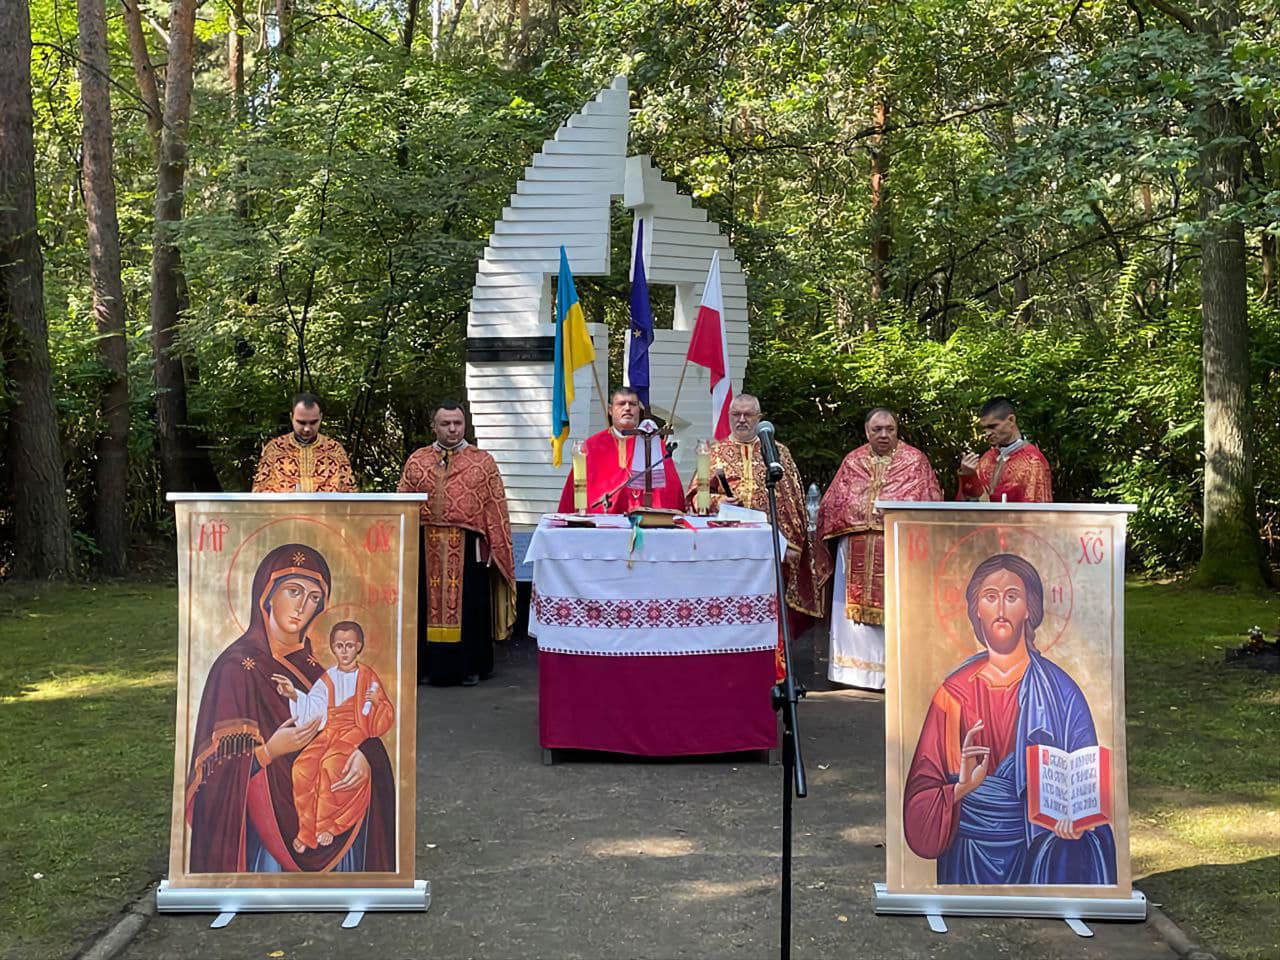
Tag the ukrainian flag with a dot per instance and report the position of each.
(573, 350)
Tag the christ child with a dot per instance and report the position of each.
(352, 707)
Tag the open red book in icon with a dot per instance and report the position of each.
(1073, 786)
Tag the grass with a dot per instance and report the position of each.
(86, 756)
(1204, 772)
(86, 760)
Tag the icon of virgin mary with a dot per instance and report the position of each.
(239, 797)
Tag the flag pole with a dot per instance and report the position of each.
(679, 386)
(604, 403)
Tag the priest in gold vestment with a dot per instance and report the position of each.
(738, 462)
(304, 461)
(884, 468)
(467, 577)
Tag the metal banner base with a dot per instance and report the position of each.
(353, 901)
(1071, 909)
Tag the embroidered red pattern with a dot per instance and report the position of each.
(677, 613)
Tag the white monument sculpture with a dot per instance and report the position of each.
(565, 198)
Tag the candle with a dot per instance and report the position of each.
(702, 498)
(579, 476)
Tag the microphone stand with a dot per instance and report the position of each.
(786, 697)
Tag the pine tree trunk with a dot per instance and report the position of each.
(42, 530)
(177, 449)
(1232, 550)
(284, 23)
(111, 469)
(144, 73)
(879, 218)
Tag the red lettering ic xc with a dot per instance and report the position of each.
(377, 539)
(917, 546)
(1092, 548)
(211, 536)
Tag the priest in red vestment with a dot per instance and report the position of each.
(467, 575)
(1012, 469)
(615, 465)
(304, 461)
(884, 468)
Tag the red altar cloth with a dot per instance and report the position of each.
(657, 706)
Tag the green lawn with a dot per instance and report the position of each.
(86, 760)
(86, 756)
(1204, 771)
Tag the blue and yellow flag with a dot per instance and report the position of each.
(573, 350)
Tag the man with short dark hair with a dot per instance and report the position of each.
(616, 464)
(304, 460)
(467, 577)
(884, 468)
(1012, 469)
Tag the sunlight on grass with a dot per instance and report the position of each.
(90, 684)
(1177, 837)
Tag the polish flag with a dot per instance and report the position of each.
(709, 347)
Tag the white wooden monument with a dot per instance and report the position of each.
(565, 198)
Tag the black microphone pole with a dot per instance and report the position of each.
(787, 694)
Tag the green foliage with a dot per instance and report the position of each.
(1116, 409)
(1041, 211)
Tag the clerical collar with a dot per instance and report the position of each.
(304, 443)
(1009, 449)
(454, 449)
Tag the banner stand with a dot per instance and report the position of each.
(354, 901)
(934, 906)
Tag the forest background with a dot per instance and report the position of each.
(1072, 202)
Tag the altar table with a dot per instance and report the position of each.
(654, 642)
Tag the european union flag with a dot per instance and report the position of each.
(641, 330)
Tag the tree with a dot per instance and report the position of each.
(1232, 551)
(111, 509)
(42, 531)
(183, 464)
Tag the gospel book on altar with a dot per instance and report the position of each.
(1073, 786)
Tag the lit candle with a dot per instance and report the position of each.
(702, 498)
(579, 476)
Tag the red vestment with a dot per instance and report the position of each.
(322, 761)
(848, 510)
(1022, 477)
(466, 493)
(609, 460)
(287, 466)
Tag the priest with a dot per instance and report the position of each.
(1012, 469)
(884, 468)
(466, 583)
(304, 460)
(738, 478)
(616, 464)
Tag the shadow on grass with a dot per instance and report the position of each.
(1231, 908)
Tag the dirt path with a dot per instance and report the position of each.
(594, 858)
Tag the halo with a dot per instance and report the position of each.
(959, 562)
(334, 535)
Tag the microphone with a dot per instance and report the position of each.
(769, 450)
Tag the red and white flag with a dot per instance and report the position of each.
(709, 347)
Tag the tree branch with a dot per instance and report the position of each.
(1170, 9)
